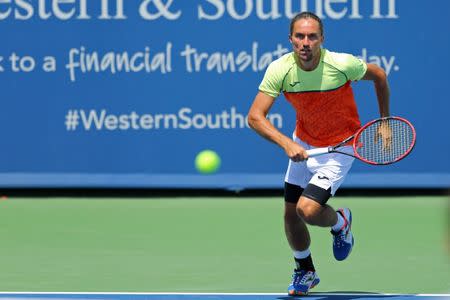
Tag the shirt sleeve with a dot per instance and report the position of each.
(273, 80)
(356, 68)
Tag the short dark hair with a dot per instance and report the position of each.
(306, 15)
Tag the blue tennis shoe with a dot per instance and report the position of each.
(302, 282)
(343, 239)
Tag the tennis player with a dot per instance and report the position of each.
(317, 82)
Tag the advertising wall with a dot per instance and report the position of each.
(125, 93)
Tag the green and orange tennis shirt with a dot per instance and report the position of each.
(323, 98)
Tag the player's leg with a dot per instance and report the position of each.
(296, 231)
(297, 234)
(329, 172)
(316, 212)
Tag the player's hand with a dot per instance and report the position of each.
(295, 151)
(384, 132)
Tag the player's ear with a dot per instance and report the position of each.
(290, 39)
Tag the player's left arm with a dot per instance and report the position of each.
(379, 77)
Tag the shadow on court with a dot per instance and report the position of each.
(353, 295)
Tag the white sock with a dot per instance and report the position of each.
(302, 254)
(340, 222)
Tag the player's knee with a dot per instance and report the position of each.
(308, 210)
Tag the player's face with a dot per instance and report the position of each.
(306, 39)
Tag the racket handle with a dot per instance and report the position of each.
(317, 151)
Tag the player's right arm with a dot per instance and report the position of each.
(257, 120)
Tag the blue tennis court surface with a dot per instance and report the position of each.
(214, 296)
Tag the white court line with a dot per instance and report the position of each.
(217, 294)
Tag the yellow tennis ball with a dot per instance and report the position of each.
(207, 162)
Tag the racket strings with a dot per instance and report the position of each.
(372, 147)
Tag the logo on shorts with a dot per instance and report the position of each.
(323, 177)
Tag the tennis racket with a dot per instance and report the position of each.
(380, 142)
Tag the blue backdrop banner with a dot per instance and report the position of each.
(119, 93)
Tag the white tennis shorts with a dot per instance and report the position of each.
(325, 171)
